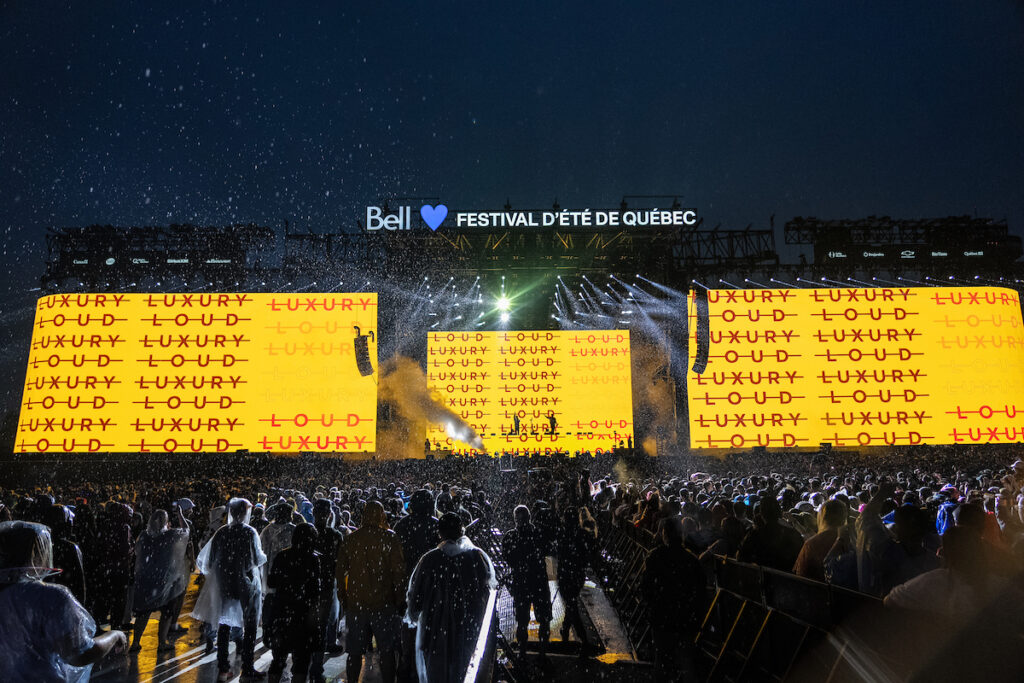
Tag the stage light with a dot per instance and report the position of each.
(504, 317)
(503, 303)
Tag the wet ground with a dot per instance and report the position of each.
(189, 663)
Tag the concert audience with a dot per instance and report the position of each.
(870, 523)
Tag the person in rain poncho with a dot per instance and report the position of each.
(447, 596)
(160, 576)
(232, 595)
(218, 516)
(276, 536)
(46, 635)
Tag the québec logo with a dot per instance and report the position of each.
(433, 217)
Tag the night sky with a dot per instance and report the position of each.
(220, 112)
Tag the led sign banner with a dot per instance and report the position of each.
(534, 392)
(171, 373)
(859, 368)
(432, 217)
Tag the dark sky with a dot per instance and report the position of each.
(216, 112)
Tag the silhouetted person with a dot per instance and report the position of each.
(888, 558)
(675, 592)
(576, 541)
(371, 578)
(114, 551)
(770, 543)
(328, 540)
(295, 586)
(524, 550)
(66, 555)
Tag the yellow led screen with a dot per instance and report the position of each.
(171, 373)
(859, 368)
(576, 382)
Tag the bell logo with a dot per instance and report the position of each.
(376, 220)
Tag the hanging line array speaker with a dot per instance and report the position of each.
(362, 347)
(703, 332)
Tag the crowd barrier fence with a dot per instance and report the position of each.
(762, 624)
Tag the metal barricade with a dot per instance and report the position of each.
(759, 624)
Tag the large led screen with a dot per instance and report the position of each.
(167, 373)
(569, 391)
(859, 368)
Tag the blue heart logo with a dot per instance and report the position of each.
(434, 216)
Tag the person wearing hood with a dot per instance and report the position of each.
(216, 519)
(328, 540)
(233, 592)
(418, 533)
(298, 578)
(524, 549)
(115, 549)
(277, 535)
(306, 510)
(576, 543)
(46, 635)
(160, 577)
(447, 596)
(370, 574)
(66, 555)
(674, 591)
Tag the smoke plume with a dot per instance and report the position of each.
(403, 385)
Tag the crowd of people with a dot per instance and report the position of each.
(326, 563)
(396, 566)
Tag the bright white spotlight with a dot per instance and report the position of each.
(503, 303)
(504, 317)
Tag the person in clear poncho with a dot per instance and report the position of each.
(161, 576)
(276, 536)
(46, 635)
(232, 595)
(448, 593)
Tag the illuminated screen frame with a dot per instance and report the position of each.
(880, 367)
(489, 377)
(173, 373)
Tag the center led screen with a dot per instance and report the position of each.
(534, 392)
(859, 368)
(170, 373)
